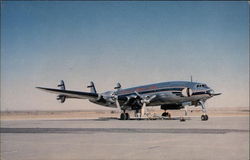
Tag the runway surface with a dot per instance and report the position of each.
(109, 138)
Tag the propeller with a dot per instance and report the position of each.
(144, 100)
(187, 92)
(115, 98)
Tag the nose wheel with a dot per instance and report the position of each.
(204, 117)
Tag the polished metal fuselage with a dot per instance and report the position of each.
(165, 93)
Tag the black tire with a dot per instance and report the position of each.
(164, 114)
(127, 116)
(182, 119)
(204, 117)
(123, 116)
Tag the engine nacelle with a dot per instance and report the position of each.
(187, 92)
(171, 106)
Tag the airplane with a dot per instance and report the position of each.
(174, 95)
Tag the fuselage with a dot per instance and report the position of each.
(174, 92)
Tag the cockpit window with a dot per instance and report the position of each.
(205, 86)
(201, 85)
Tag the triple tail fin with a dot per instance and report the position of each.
(92, 87)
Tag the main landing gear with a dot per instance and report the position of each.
(166, 114)
(124, 116)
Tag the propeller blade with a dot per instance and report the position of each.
(115, 98)
(186, 110)
(143, 109)
(151, 98)
(138, 94)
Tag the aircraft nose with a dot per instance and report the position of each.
(210, 91)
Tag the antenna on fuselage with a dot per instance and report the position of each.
(191, 78)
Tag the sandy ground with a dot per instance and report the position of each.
(90, 114)
(220, 138)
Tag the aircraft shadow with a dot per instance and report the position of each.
(115, 118)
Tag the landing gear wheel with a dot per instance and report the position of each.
(166, 114)
(204, 117)
(127, 116)
(182, 119)
(123, 116)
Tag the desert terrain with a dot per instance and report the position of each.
(100, 135)
(89, 114)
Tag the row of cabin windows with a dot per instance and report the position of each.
(201, 85)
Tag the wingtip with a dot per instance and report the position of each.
(39, 88)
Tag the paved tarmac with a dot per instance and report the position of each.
(109, 138)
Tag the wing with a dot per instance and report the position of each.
(71, 94)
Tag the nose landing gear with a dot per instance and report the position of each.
(204, 117)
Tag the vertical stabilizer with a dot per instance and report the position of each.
(60, 97)
(61, 85)
(92, 87)
(118, 86)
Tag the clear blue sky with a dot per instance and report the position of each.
(134, 43)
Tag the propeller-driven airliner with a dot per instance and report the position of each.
(174, 95)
